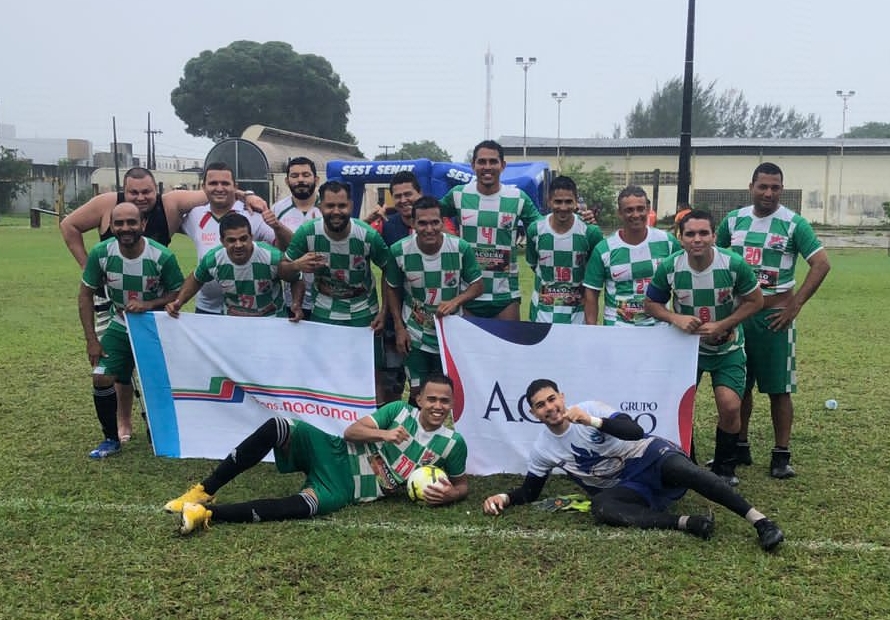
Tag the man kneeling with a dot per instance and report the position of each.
(631, 478)
(374, 458)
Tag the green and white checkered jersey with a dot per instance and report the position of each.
(488, 224)
(382, 468)
(426, 280)
(202, 227)
(151, 275)
(769, 244)
(292, 217)
(559, 261)
(344, 288)
(251, 289)
(711, 295)
(624, 271)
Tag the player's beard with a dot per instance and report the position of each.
(336, 224)
(301, 191)
(129, 239)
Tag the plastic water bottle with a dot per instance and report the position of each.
(831, 404)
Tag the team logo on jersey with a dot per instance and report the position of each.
(776, 242)
(263, 286)
(428, 457)
(358, 263)
(151, 283)
(723, 295)
(580, 259)
(506, 220)
(450, 278)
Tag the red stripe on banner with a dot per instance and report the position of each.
(684, 418)
(457, 409)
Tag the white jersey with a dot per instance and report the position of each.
(292, 217)
(202, 227)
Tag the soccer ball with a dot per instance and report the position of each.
(421, 478)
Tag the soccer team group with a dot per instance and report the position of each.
(307, 258)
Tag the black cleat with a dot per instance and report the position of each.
(780, 465)
(701, 526)
(769, 534)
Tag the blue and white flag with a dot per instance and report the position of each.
(209, 381)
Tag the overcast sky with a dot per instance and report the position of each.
(415, 70)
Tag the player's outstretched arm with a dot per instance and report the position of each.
(88, 216)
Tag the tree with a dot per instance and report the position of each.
(727, 115)
(869, 130)
(15, 175)
(595, 187)
(223, 92)
(426, 149)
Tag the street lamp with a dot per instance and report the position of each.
(559, 97)
(840, 177)
(525, 63)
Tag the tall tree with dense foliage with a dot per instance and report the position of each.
(726, 115)
(223, 92)
(596, 189)
(15, 175)
(425, 149)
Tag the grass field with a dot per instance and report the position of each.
(84, 539)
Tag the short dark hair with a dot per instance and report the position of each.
(536, 386)
(231, 221)
(565, 183)
(405, 176)
(138, 172)
(300, 161)
(216, 165)
(696, 214)
(424, 202)
(767, 168)
(437, 377)
(632, 190)
(489, 144)
(334, 187)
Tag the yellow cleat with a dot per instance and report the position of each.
(192, 517)
(194, 495)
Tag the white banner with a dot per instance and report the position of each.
(647, 372)
(209, 381)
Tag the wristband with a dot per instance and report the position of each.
(596, 422)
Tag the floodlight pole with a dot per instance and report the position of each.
(840, 177)
(558, 97)
(525, 63)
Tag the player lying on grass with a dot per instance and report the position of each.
(374, 458)
(631, 478)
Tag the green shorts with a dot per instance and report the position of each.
(325, 461)
(488, 309)
(118, 360)
(727, 370)
(771, 355)
(420, 364)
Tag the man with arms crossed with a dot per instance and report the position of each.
(139, 275)
(631, 478)
(624, 262)
(373, 459)
(770, 236)
(559, 247)
(713, 291)
(423, 281)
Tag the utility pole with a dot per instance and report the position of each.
(152, 162)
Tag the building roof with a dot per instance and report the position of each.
(279, 146)
(699, 144)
